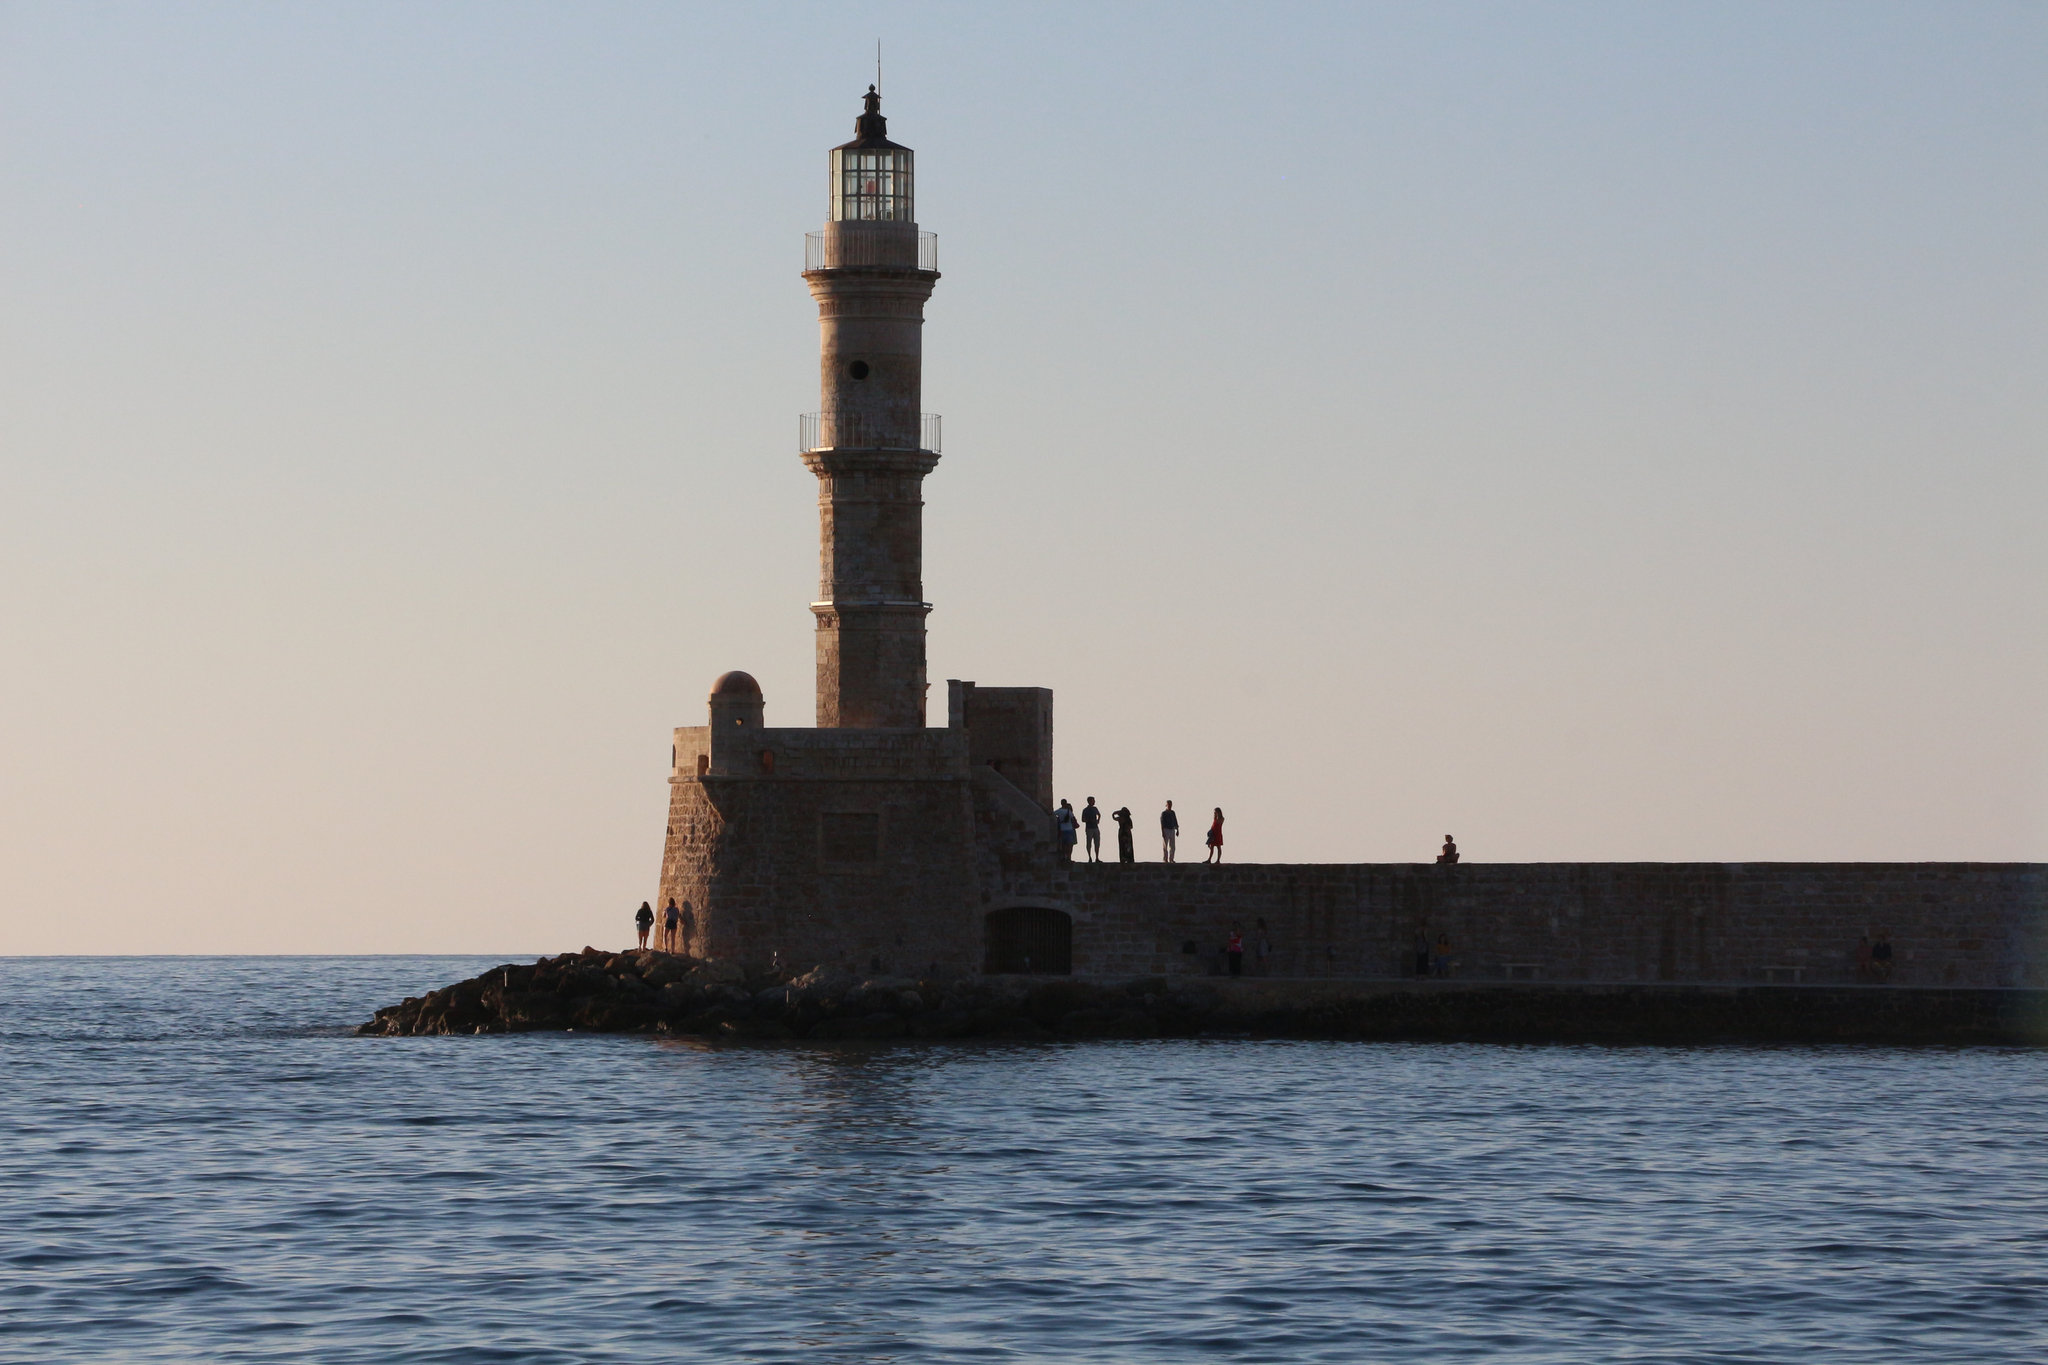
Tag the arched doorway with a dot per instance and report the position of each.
(1030, 939)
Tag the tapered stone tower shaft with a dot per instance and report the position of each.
(870, 446)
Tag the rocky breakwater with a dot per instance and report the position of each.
(662, 993)
(665, 993)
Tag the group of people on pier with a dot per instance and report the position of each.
(1084, 827)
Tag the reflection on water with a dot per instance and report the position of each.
(203, 1165)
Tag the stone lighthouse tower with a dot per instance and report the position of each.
(873, 842)
(871, 271)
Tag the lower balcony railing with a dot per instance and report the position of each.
(832, 251)
(852, 431)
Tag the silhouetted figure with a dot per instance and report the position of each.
(645, 919)
(1215, 840)
(1863, 971)
(1440, 956)
(671, 926)
(1125, 853)
(1066, 827)
(1422, 952)
(1450, 853)
(1233, 952)
(1881, 957)
(1262, 949)
(1169, 830)
(1091, 825)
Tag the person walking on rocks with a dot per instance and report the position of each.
(1065, 826)
(1169, 830)
(1124, 852)
(671, 921)
(645, 919)
(1215, 839)
(1233, 951)
(1091, 825)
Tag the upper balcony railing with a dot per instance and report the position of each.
(850, 431)
(834, 250)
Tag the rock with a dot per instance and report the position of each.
(819, 983)
(665, 968)
(755, 1028)
(717, 973)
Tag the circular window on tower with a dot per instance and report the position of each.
(858, 369)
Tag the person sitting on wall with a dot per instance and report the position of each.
(645, 919)
(1091, 825)
(1065, 828)
(1450, 853)
(1125, 853)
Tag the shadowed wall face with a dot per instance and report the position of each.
(1950, 924)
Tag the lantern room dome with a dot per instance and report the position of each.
(872, 177)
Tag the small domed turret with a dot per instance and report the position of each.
(736, 703)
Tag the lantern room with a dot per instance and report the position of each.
(872, 176)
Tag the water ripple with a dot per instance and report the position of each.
(202, 1165)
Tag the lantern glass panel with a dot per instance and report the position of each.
(873, 185)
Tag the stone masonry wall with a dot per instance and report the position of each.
(1951, 924)
(848, 848)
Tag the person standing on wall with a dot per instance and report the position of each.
(671, 920)
(1125, 853)
(1091, 826)
(1233, 951)
(645, 919)
(1215, 838)
(1169, 830)
(1065, 826)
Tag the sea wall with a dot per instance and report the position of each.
(661, 993)
(1950, 924)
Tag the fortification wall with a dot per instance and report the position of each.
(1951, 924)
(800, 847)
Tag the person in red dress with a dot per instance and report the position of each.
(1216, 838)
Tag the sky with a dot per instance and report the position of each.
(1601, 431)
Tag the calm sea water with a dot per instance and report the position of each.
(199, 1164)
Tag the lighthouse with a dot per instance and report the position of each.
(869, 443)
(873, 842)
